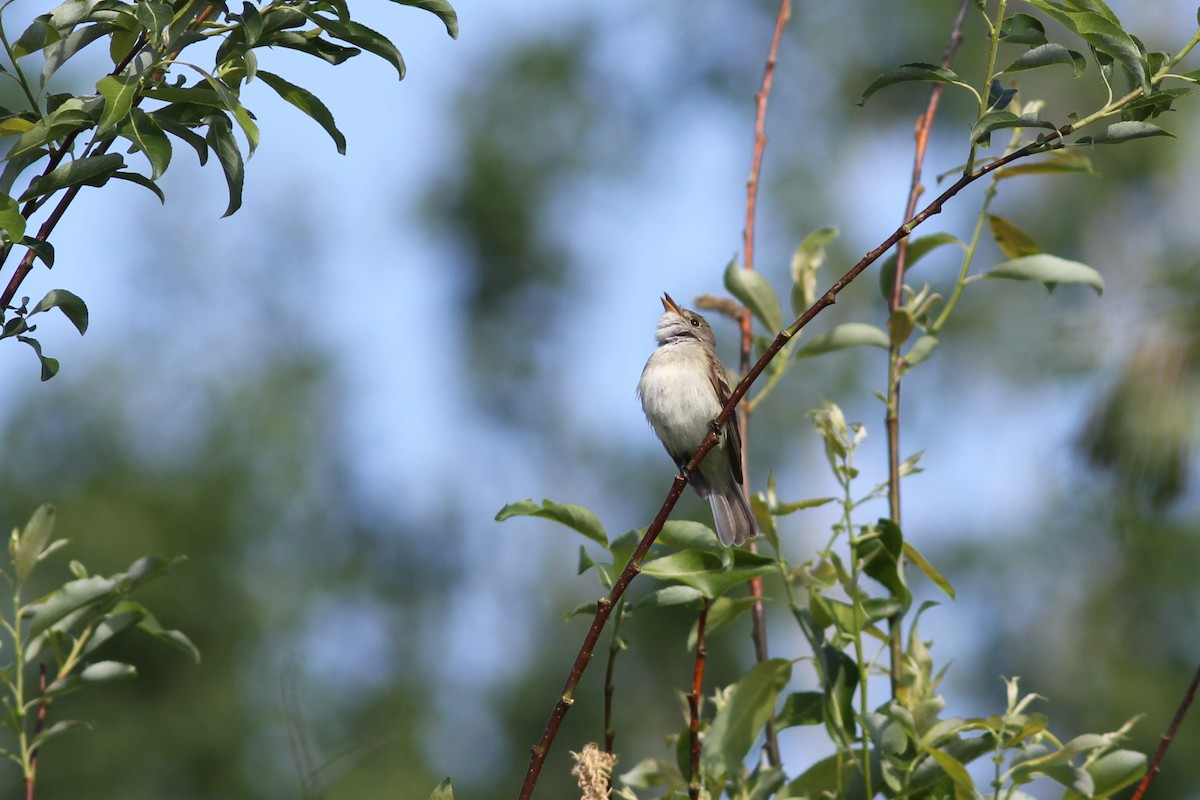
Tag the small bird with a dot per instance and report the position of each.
(683, 388)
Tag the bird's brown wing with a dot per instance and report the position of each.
(733, 431)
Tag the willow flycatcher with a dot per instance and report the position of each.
(683, 388)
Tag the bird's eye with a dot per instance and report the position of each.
(695, 323)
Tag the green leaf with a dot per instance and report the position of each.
(155, 17)
(148, 137)
(43, 250)
(89, 171)
(27, 548)
(843, 675)
(1011, 240)
(71, 305)
(578, 518)
(1112, 772)
(56, 730)
(669, 596)
(92, 674)
(142, 180)
(11, 221)
(1050, 270)
(1053, 162)
(755, 292)
(35, 37)
(119, 92)
(1048, 54)
(706, 571)
(687, 534)
(443, 10)
(806, 261)
(71, 596)
(1125, 131)
(370, 40)
(722, 612)
(220, 139)
(64, 49)
(917, 249)
(326, 51)
(49, 365)
(955, 770)
(307, 102)
(1022, 29)
(922, 349)
(1099, 27)
(443, 791)
(740, 721)
(882, 559)
(981, 131)
(916, 72)
(177, 639)
(801, 708)
(841, 337)
(914, 556)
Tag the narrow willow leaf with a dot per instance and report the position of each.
(1048, 269)
(756, 293)
(915, 557)
(1056, 161)
(705, 571)
(917, 249)
(11, 221)
(15, 126)
(443, 10)
(916, 72)
(143, 181)
(443, 791)
(89, 171)
(307, 102)
(231, 103)
(220, 139)
(119, 92)
(1011, 240)
(27, 548)
(806, 261)
(956, 772)
(846, 335)
(1022, 29)
(56, 730)
(62, 50)
(70, 597)
(148, 137)
(740, 721)
(1114, 771)
(801, 708)
(43, 250)
(155, 17)
(71, 305)
(981, 131)
(1124, 131)
(669, 596)
(177, 639)
(921, 350)
(38, 35)
(1046, 55)
(575, 517)
(361, 36)
(326, 51)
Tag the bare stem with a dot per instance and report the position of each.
(614, 647)
(694, 697)
(895, 361)
(1168, 737)
(758, 622)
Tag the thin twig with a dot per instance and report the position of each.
(895, 362)
(614, 647)
(758, 621)
(1168, 737)
(605, 605)
(694, 697)
(38, 725)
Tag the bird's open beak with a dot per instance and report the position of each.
(669, 304)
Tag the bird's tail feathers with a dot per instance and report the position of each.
(731, 513)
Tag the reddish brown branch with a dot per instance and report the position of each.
(758, 623)
(1168, 737)
(38, 725)
(605, 607)
(892, 418)
(694, 697)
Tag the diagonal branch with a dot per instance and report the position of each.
(604, 607)
(1168, 737)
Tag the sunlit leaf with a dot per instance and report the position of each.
(1048, 269)
(575, 517)
(70, 304)
(1046, 55)
(11, 221)
(981, 131)
(756, 293)
(740, 721)
(1022, 29)
(846, 335)
(119, 92)
(443, 9)
(920, 562)
(307, 102)
(916, 72)
(1125, 131)
(1011, 240)
(89, 171)
(443, 791)
(220, 139)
